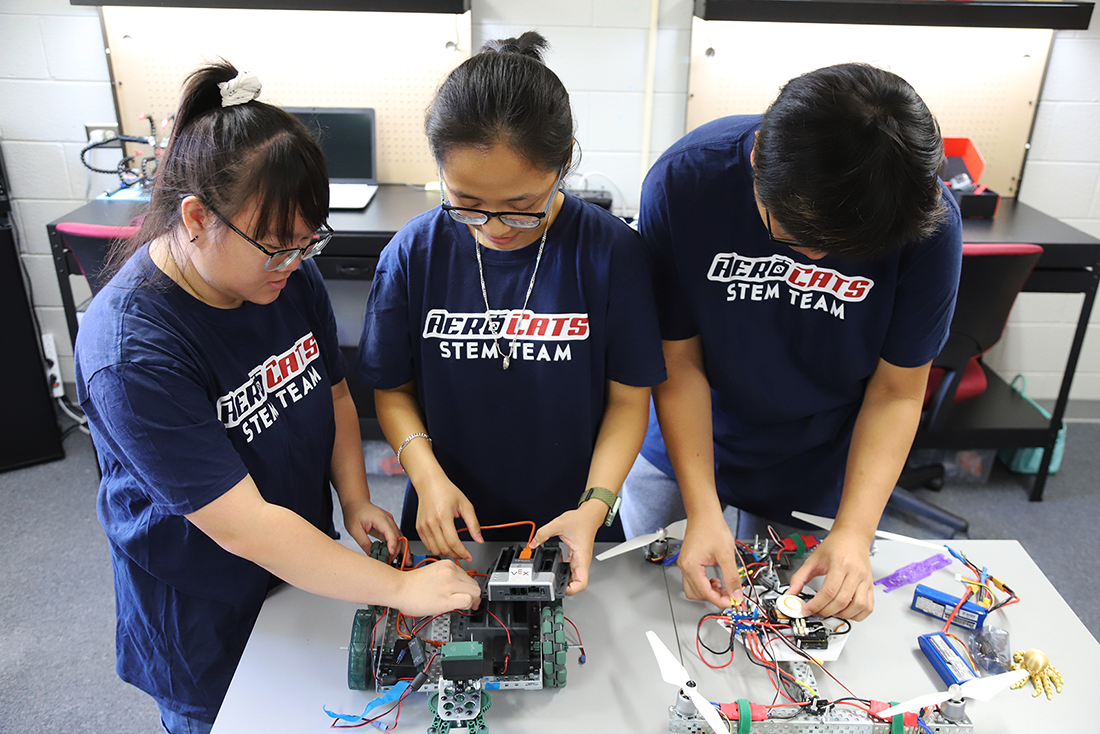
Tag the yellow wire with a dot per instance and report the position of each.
(965, 649)
(806, 686)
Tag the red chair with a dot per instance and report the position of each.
(90, 245)
(992, 275)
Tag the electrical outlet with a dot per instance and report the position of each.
(53, 369)
(102, 131)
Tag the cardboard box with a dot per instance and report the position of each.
(963, 157)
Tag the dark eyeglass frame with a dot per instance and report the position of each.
(772, 237)
(323, 236)
(505, 217)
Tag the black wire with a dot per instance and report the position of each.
(846, 631)
(699, 637)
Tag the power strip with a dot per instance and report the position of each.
(53, 369)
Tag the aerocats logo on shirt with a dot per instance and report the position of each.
(470, 335)
(281, 379)
(809, 287)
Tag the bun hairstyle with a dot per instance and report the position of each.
(230, 155)
(504, 94)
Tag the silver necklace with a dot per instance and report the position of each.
(485, 294)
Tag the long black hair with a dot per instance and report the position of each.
(504, 94)
(228, 156)
(846, 161)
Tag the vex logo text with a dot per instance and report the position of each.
(279, 381)
(809, 287)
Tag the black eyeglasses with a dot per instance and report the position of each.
(280, 259)
(773, 238)
(522, 220)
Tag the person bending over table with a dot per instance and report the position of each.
(514, 325)
(214, 388)
(806, 264)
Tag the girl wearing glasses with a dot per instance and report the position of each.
(211, 377)
(511, 335)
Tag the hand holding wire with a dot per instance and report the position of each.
(848, 589)
(710, 544)
(440, 504)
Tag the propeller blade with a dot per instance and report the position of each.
(983, 689)
(675, 530)
(825, 523)
(675, 673)
(906, 539)
(671, 669)
(706, 710)
(915, 704)
(635, 543)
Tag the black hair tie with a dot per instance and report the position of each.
(509, 47)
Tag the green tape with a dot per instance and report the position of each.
(897, 722)
(744, 716)
(799, 545)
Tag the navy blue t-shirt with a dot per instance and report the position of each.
(184, 400)
(517, 442)
(789, 342)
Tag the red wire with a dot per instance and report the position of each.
(506, 630)
(962, 600)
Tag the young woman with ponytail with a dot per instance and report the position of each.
(214, 388)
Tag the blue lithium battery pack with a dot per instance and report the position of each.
(939, 604)
(952, 666)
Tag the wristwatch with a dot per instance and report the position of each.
(606, 496)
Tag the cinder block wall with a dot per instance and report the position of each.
(1062, 179)
(598, 49)
(53, 80)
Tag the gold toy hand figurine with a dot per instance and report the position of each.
(1044, 676)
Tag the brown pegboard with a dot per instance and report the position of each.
(392, 62)
(981, 83)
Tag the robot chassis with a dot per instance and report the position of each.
(684, 718)
(515, 639)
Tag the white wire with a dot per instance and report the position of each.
(81, 419)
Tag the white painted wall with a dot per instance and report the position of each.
(53, 79)
(1062, 179)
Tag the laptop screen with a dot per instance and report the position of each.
(346, 135)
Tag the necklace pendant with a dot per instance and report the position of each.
(507, 360)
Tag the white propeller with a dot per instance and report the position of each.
(826, 523)
(675, 530)
(981, 689)
(674, 673)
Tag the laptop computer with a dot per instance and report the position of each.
(347, 137)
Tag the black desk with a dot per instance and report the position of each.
(998, 418)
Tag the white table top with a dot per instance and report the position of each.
(296, 659)
(881, 659)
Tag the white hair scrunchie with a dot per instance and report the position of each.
(240, 89)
